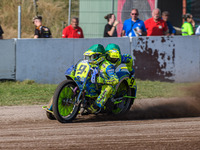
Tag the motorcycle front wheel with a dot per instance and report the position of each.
(64, 98)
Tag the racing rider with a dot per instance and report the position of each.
(107, 77)
(113, 54)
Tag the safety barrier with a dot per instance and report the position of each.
(7, 59)
(155, 58)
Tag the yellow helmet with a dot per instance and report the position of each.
(94, 53)
(113, 56)
(91, 56)
(113, 52)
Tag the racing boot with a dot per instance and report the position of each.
(94, 109)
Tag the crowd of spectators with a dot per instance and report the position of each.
(157, 25)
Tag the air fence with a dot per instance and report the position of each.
(173, 59)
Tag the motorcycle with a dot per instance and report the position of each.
(71, 95)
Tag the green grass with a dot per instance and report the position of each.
(154, 89)
(25, 93)
(30, 93)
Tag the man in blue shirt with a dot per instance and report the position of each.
(134, 26)
(171, 29)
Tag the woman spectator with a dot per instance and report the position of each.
(110, 27)
(189, 24)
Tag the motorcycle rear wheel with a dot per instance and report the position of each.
(123, 106)
(64, 107)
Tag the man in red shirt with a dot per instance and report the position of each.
(156, 26)
(73, 30)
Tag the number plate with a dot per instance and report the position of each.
(82, 70)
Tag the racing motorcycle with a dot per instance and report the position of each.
(70, 96)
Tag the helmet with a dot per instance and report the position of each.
(113, 56)
(112, 46)
(113, 53)
(94, 52)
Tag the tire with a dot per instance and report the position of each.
(50, 116)
(124, 106)
(64, 107)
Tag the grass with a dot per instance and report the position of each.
(154, 89)
(25, 93)
(30, 93)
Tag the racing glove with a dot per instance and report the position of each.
(131, 73)
(94, 75)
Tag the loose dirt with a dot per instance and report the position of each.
(151, 124)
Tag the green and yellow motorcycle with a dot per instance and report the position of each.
(71, 98)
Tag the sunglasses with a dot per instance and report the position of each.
(134, 14)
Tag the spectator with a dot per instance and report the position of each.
(156, 26)
(188, 25)
(110, 27)
(40, 30)
(73, 30)
(133, 26)
(165, 16)
(198, 30)
(1, 33)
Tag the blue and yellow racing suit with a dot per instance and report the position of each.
(128, 60)
(113, 52)
(108, 79)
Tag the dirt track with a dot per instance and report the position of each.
(151, 124)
